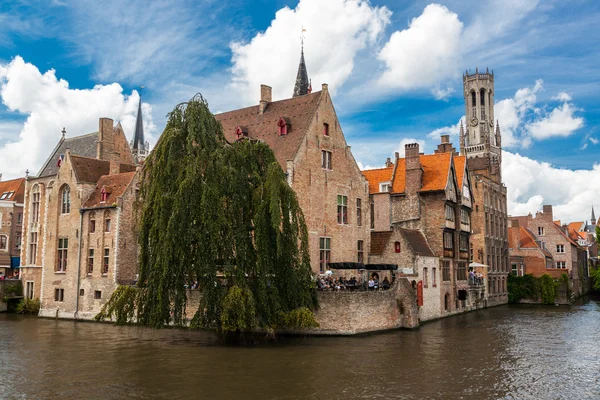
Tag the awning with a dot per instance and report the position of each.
(381, 267)
(475, 264)
(4, 260)
(346, 265)
(15, 262)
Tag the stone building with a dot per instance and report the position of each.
(11, 224)
(421, 209)
(482, 146)
(528, 254)
(60, 205)
(566, 253)
(309, 144)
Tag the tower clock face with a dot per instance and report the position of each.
(474, 121)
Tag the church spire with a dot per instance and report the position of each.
(593, 220)
(139, 147)
(302, 83)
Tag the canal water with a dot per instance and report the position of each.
(507, 352)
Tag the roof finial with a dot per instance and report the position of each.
(302, 38)
(64, 131)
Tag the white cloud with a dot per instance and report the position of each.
(522, 120)
(336, 30)
(531, 184)
(452, 130)
(442, 94)
(50, 105)
(426, 53)
(562, 96)
(406, 141)
(594, 140)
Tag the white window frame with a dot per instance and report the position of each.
(385, 187)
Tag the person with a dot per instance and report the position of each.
(376, 283)
(371, 284)
(471, 276)
(386, 283)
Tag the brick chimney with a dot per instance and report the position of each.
(115, 163)
(514, 234)
(547, 211)
(266, 96)
(388, 163)
(414, 172)
(445, 146)
(106, 140)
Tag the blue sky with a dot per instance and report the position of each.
(394, 68)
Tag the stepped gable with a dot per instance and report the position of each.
(417, 242)
(114, 185)
(14, 189)
(297, 111)
(89, 170)
(377, 176)
(378, 241)
(84, 145)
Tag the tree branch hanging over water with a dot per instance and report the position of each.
(221, 214)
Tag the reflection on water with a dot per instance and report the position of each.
(512, 352)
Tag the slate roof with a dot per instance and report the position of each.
(115, 186)
(14, 188)
(417, 242)
(301, 86)
(297, 110)
(90, 170)
(84, 145)
(138, 137)
(378, 241)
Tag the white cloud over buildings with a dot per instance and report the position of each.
(49, 105)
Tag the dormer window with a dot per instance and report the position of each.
(385, 187)
(283, 126)
(103, 195)
(241, 132)
(325, 129)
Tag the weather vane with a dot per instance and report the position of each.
(302, 36)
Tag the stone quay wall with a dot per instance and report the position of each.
(9, 288)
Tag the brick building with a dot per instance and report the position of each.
(482, 147)
(60, 240)
(421, 209)
(309, 144)
(568, 256)
(11, 224)
(528, 254)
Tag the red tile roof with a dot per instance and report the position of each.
(528, 240)
(459, 165)
(114, 185)
(298, 111)
(89, 170)
(377, 176)
(14, 189)
(576, 226)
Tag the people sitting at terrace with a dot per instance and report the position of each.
(386, 284)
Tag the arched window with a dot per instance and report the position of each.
(473, 104)
(447, 302)
(92, 222)
(65, 200)
(482, 100)
(35, 203)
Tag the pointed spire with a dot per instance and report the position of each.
(302, 83)
(138, 138)
(593, 216)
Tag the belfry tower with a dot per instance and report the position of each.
(481, 143)
(479, 139)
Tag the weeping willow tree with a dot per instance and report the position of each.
(221, 214)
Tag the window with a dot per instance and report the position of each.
(35, 204)
(103, 195)
(425, 277)
(449, 213)
(464, 217)
(19, 218)
(107, 225)
(326, 129)
(445, 271)
(29, 289)
(464, 243)
(448, 240)
(18, 240)
(560, 248)
(326, 159)
(97, 294)
(59, 294)
(361, 252)
(65, 200)
(473, 104)
(282, 127)
(81, 292)
(561, 264)
(372, 214)
(342, 209)
(3, 242)
(433, 277)
(63, 251)
(385, 187)
(105, 261)
(90, 263)
(324, 253)
(92, 225)
(461, 271)
(359, 212)
(540, 231)
(397, 247)
(447, 302)
(482, 100)
(33, 248)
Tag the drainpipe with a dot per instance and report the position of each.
(79, 264)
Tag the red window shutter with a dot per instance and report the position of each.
(420, 293)
(397, 247)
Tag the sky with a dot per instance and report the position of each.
(394, 69)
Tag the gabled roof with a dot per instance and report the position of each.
(378, 241)
(89, 170)
(527, 240)
(559, 229)
(459, 165)
(84, 145)
(417, 242)
(576, 226)
(114, 185)
(12, 190)
(377, 176)
(297, 110)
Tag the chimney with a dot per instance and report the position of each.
(445, 146)
(266, 93)
(514, 223)
(115, 163)
(514, 234)
(547, 211)
(445, 139)
(388, 163)
(1, 175)
(414, 173)
(106, 141)
(324, 87)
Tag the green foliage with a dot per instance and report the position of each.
(300, 318)
(28, 306)
(221, 214)
(548, 289)
(595, 274)
(521, 287)
(13, 290)
(121, 306)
